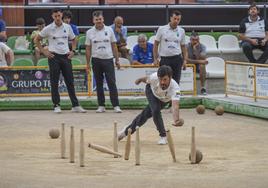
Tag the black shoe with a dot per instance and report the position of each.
(203, 91)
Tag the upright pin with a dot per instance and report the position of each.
(82, 149)
(128, 144)
(193, 147)
(137, 147)
(115, 141)
(72, 145)
(171, 146)
(62, 143)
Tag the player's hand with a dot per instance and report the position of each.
(205, 62)
(178, 123)
(156, 62)
(88, 69)
(184, 65)
(254, 42)
(70, 54)
(138, 81)
(48, 54)
(117, 64)
(263, 42)
(118, 30)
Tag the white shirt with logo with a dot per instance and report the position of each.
(58, 37)
(170, 40)
(3, 51)
(255, 28)
(171, 93)
(100, 41)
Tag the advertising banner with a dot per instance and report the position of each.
(240, 79)
(125, 80)
(262, 81)
(37, 81)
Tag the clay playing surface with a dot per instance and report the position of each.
(235, 150)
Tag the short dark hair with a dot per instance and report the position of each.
(194, 34)
(40, 21)
(175, 12)
(164, 70)
(253, 5)
(97, 13)
(55, 10)
(67, 14)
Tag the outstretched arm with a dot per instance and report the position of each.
(143, 79)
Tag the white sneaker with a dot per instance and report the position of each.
(163, 141)
(78, 109)
(122, 134)
(117, 109)
(100, 109)
(57, 109)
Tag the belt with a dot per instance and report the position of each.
(170, 57)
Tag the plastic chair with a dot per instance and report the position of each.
(215, 67)
(229, 44)
(187, 39)
(11, 41)
(42, 62)
(152, 39)
(81, 45)
(131, 42)
(23, 62)
(210, 43)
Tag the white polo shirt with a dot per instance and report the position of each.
(171, 93)
(170, 40)
(100, 41)
(58, 37)
(3, 51)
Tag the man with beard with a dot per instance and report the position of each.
(170, 47)
(160, 90)
(253, 32)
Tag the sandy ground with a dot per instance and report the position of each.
(235, 150)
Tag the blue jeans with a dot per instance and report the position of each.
(248, 51)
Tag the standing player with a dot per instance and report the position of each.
(100, 50)
(59, 58)
(170, 42)
(160, 90)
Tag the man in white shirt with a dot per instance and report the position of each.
(100, 50)
(59, 58)
(253, 32)
(160, 90)
(6, 55)
(169, 46)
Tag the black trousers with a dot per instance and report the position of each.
(248, 51)
(100, 68)
(153, 109)
(175, 62)
(61, 63)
